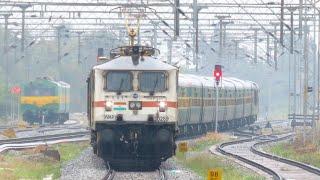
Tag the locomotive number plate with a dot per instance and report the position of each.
(163, 119)
(109, 117)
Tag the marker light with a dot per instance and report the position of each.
(162, 106)
(135, 105)
(109, 105)
(138, 105)
(132, 105)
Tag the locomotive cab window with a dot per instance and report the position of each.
(118, 81)
(39, 90)
(152, 81)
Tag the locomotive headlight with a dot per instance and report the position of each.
(162, 106)
(132, 105)
(135, 105)
(109, 105)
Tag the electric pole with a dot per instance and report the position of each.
(196, 10)
(236, 45)
(255, 48)
(300, 18)
(268, 49)
(59, 28)
(281, 21)
(5, 56)
(221, 18)
(305, 81)
(176, 19)
(155, 35)
(169, 46)
(79, 46)
(294, 68)
(23, 8)
(275, 48)
(6, 49)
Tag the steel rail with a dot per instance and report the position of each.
(220, 149)
(306, 167)
(238, 132)
(162, 174)
(254, 149)
(44, 138)
(110, 174)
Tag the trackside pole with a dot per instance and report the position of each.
(217, 73)
(217, 104)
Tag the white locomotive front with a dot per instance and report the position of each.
(132, 108)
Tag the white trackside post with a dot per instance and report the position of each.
(217, 104)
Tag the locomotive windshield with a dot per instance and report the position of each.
(119, 81)
(152, 82)
(38, 90)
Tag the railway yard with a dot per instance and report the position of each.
(159, 89)
(245, 153)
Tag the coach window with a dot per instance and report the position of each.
(256, 97)
(118, 81)
(183, 92)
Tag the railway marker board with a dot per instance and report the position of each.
(183, 147)
(214, 174)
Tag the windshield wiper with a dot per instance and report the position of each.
(119, 90)
(154, 87)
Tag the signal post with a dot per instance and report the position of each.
(217, 73)
(15, 100)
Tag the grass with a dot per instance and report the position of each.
(21, 166)
(204, 142)
(308, 154)
(71, 150)
(200, 160)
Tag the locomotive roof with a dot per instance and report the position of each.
(64, 84)
(125, 63)
(188, 80)
(48, 81)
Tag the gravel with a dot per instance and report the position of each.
(86, 166)
(89, 166)
(175, 171)
(137, 175)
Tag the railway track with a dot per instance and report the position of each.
(246, 150)
(159, 174)
(71, 124)
(29, 142)
(110, 173)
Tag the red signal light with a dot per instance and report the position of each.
(217, 73)
(15, 90)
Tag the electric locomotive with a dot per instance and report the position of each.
(45, 101)
(138, 106)
(132, 108)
